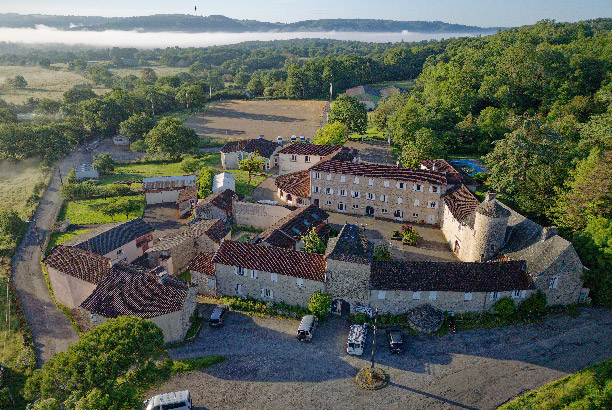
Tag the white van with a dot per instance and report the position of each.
(179, 400)
(356, 339)
(306, 329)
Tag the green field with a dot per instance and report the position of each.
(17, 181)
(58, 238)
(89, 211)
(404, 84)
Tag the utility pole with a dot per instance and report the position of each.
(187, 99)
(374, 344)
(152, 106)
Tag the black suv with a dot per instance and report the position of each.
(218, 316)
(394, 337)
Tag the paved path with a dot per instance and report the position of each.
(51, 330)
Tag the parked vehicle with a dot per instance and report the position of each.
(218, 316)
(394, 337)
(179, 400)
(356, 339)
(306, 329)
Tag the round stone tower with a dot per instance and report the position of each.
(491, 220)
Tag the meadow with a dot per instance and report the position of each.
(17, 182)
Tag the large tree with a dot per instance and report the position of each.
(137, 126)
(350, 112)
(104, 163)
(171, 138)
(251, 164)
(333, 133)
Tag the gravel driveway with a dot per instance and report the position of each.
(268, 368)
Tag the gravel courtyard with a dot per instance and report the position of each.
(267, 368)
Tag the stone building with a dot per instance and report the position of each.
(288, 231)
(166, 189)
(384, 191)
(267, 273)
(187, 200)
(235, 151)
(167, 301)
(216, 206)
(301, 156)
(203, 274)
(294, 189)
(454, 175)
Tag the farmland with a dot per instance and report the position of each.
(17, 181)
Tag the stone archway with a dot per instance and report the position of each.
(340, 307)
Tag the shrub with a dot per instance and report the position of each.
(190, 164)
(139, 146)
(409, 235)
(71, 179)
(382, 253)
(319, 304)
(535, 304)
(104, 163)
(505, 308)
(205, 182)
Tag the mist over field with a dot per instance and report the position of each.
(114, 38)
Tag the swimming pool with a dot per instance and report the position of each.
(469, 165)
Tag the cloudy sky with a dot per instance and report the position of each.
(486, 13)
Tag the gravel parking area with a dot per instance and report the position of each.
(267, 368)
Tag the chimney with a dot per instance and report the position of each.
(549, 232)
(490, 196)
(261, 137)
(279, 139)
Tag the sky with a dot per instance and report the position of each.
(484, 13)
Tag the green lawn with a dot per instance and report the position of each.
(89, 211)
(58, 238)
(371, 134)
(404, 84)
(242, 178)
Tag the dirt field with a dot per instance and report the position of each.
(249, 119)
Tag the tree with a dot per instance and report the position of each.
(104, 163)
(48, 106)
(124, 206)
(252, 163)
(241, 79)
(148, 76)
(382, 253)
(205, 182)
(137, 126)
(386, 108)
(349, 111)
(319, 304)
(256, 86)
(106, 361)
(171, 138)
(332, 133)
(313, 242)
(7, 116)
(100, 75)
(71, 178)
(76, 95)
(215, 81)
(17, 82)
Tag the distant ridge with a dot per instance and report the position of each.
(216, 23)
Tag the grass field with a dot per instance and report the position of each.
(17, 181)
(404, 84)
(89, 211)
(242, 179)
(58, 238)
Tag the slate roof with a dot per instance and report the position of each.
(288, 230)
(202, 264)
(130, 291)
(461, 203)
(454, 175)
(380, 171)
(296, 183)
(81, 264)
(222, 200)
(116, 237)
(300, 148)
(264, 147)
(493, 209)
(215, 229)
(188, 193)
(268, 259)
(450, 276)
(350, 246)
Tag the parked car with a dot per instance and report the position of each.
(356, 339)
(218, 316)
(394, 337)
(179, 400)
(306, 329)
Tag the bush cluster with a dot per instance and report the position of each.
(266, 308)
(89, 190)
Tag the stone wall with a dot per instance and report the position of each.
(230, 160)
(182, 253)
(206, 283)
(209, 211)
(129, 252)
(568, 271)
(260, 216)
(286, 166)
(161, 196)
(285, 288)
(489, 235)
(290, 199)
(348, 281)
(460, 237)
(398, 199)
(68, 290)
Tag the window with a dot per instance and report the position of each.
(238, 270)
(307, 158)
(382, 294)
(467, 296)
(355, 206)
(328, 203)
(553, 283)
(273, 277)
(329, 177)
(434, 189)
(417, 187)
(371, 196)
(416, 295)
(316, 189)
(384, 211)
(432, 204)
(384, 198)
(415, 215)
(356, 181)
(293, 158)
(371, 182)
(317, 175)
(299, 282)
(119, 251)
(416, 202)
(433, 295)
(254, 274)
(267, 293)
(494, 295)
(401, 185)
(399, 200)
(329, 191)
(516, 294)
(398, 214)
(342, 192)
(386, 184)
(355, 194)
(238, 289)
(342, 178)
(341, 207)
(211, 283)
(523, 294)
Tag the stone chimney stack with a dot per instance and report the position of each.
(549, 232)
(490, 196)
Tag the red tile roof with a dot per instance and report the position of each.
(276, 260)
(296, 183)
(461, 203)
(202, 264)
(380, 171)
(81, 264)
(215, 229)
(129, 291)
(188, 193)
(300, 148)
(222, 200)
(454, 175)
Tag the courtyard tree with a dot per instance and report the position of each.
(313, 242)
(333, 133)
(350, 112)
(319, 304)
(251, 164)
(122, 206)
(104, 163)
(170, 137)
(137, 126)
